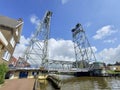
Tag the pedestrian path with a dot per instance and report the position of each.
(18, 84)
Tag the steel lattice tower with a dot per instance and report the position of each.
(83, 51)
(37, 49)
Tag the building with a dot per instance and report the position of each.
(21, 63)
(13, 62)
(10, 32)
(117, 68)
(114, 67)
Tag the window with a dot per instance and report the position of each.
(6, 55)
(3, 39)
(16, 32)
(12, 42)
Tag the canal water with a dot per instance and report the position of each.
(84, 83)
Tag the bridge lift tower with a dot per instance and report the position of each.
(83, 51)
(37, 49)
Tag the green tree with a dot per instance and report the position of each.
(3, 70)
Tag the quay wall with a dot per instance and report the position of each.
(56, 82)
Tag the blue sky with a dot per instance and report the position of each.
(100, 20)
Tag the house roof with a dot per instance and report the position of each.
(12, 23)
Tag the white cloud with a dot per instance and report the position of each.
(20, 48)
(110, 55)
(64, 1)
(64, 50)
(61, 49)
(88, 24)
(104, 32)
(110, 40)
(34, 19)
(58, 49)
(94, 49)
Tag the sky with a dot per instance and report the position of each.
(99, 18)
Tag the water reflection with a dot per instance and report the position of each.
(85, 83)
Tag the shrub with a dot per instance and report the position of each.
(3, 70)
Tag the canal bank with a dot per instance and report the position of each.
(68, 82)
(55, 81)
(83, 83)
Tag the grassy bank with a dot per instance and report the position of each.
(112, 72)
(3, 70)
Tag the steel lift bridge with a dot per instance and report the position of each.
(83, 51)
(37, 49)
